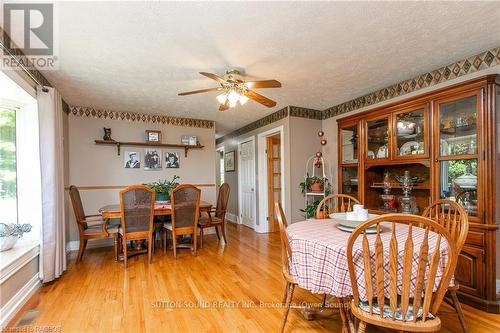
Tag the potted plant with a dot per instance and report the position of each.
(310, 209)
(10, 233)
(163, 188)
(313, 184)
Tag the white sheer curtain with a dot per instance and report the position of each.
(53, 254)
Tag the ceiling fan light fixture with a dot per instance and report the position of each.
(243, 99)
(222, 98)
(233, 97)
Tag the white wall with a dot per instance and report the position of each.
(98, 165)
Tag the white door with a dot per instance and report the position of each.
(247, 183)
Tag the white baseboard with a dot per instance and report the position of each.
(18, 300)
(233, 218)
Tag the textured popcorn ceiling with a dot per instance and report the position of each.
(136, 56)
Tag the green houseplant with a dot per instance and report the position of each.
(310, 210)
(163, 188)
(313, 184)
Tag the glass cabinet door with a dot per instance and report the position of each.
(377, 135)
(458, 127)
(458, 182)
(409, 133)
(350, 181)
(349, 144)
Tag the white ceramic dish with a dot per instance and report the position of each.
(342, 217)
(382, 152)
(350, 229)
(406, 148)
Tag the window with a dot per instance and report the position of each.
(20, 179)
(8, 172)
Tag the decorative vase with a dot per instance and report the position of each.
(316, 187)
(162, 196)
(7, 242)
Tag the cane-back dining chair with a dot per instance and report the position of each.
(453, 217)
(218, 220)
(336, 203)
(137, 204)
(286, 256)
(90, 226)
(392, 297)
(185, 202)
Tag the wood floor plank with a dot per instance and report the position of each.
(236, 288)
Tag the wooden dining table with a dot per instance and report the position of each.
(161, 209)
(109, 212)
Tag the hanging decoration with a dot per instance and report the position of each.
(317, 161)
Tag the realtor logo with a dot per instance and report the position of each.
(32, 27)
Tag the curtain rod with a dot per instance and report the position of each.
(21, 65)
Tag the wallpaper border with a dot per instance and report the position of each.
(90, 112)
(481, 61)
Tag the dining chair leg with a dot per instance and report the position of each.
(361, 327)
(83, 245)
(195, 241)
(174, 244)
(323, 303)
(290, 289)
(164, 236)
(217, 232)
(458, 308)
(201, 238)
(223, 229)
(150, 248)
(125, 255)
(286, 293)
(115, 243)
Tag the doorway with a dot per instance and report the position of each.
(246, 172)
(273, 152)
(271, 181)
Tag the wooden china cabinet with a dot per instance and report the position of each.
(448, 139)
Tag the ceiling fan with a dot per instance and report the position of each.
(235, 89)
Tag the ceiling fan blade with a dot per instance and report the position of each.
(224, 107)
(198, 91)
(214, 77)
(263, 84)
(260, 99)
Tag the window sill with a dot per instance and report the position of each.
(14, 259)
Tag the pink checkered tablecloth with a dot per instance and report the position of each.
(319, 260)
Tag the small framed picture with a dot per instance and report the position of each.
(191, 140)
(152, 159)
(132, 160)
(230, 161)
(153, 136)
(172, 160)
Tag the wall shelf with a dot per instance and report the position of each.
(119, 144)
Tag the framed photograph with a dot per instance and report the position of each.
(152, 159)
(153, 136)
(189, 140)
(172, 160)
(230, 161)
(132, 160)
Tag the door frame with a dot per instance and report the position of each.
(262, 172)
(255, 222)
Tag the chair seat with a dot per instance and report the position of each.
(96, 229)
(429, 325)
(204, 221)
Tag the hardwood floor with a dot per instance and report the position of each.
(99, 295)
